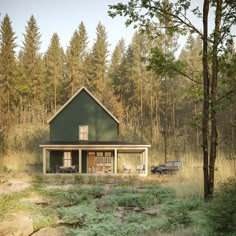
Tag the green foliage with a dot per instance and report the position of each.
(126, 197)
(75, 60)
(44, 217)
(17, 202)
(54, 72)
(120, 190)
(9, 203)
(178, 213)
(79, 179)
(77, 215)
(221, 211)
(164, 63)
(163, 194)
(74, 195)
(105, 224)
(7, 72)
(31, 71)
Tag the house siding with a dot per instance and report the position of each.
(83, 110)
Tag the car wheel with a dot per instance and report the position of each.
(157, 173)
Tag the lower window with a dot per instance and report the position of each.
(67, 162)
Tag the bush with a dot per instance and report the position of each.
(163, 194)
(178, 213)
(221, 212)
(72, 196)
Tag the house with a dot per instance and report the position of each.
(84, 138)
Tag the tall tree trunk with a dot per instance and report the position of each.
(151, 112)
(215, 69)
(55, 93)
(141, 106)
(165, 97)
(197, 131)
(205, 108)
(157, 118)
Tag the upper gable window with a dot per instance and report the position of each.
(83, 132)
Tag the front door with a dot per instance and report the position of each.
(91, 162)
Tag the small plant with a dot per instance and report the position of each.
(221, 211)
(44, 217)
(79, 179)
(163, 194)
(178, 212)
(10, 203)
(121, 190)
(92, 180)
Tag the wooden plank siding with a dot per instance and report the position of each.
(83, 109)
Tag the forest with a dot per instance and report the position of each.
(158, 107)
(180, 98)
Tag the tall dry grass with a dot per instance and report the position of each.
(22, 162)
(189, 181)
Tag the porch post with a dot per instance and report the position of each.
(80, 161)
(44, 160)
(115, 162)
(146, 161)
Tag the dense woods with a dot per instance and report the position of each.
(177, 99)
(180, 98)
(161, 107)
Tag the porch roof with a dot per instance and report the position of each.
(94, 144)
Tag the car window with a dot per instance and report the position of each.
(169, 164)
(177, 163)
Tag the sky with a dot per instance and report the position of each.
(63, 17)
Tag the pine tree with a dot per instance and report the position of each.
(31, 70)
(191, 108)
(55, 70)
(7, 72)
(76, 54)
(116, 58)
(131, 83)
(99, 57)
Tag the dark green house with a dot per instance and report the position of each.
(84, 138)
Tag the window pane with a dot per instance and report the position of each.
(83, 132)
(67, 159)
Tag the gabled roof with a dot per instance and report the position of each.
(75, 95)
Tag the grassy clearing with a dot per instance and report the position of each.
(92, 209)
(128, 205)
(17, 202)
(113, 207)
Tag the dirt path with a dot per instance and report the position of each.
(9, 184)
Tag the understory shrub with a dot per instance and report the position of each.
(74, 195)
(178, 213)
(221, 211)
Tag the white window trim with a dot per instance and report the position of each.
(83, 132)
(67, 160)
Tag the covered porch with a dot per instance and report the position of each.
(95, 158)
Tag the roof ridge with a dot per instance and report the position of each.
(75, 95)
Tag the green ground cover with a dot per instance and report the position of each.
(119, 207)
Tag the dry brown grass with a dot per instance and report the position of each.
(20, 161)
(189, 181)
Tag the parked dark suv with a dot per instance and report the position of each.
(169, 167)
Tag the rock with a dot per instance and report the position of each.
(152, 212)
(48, 231)
(20, 225)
